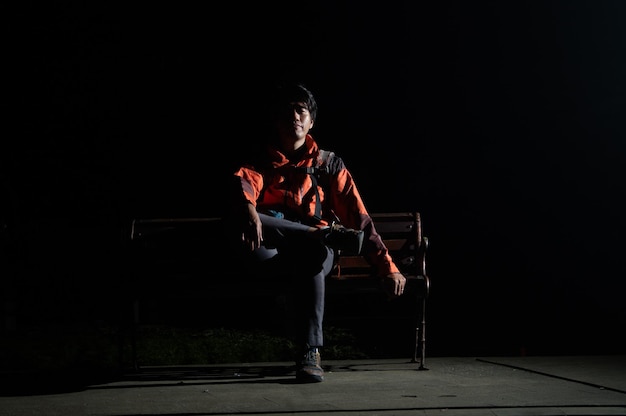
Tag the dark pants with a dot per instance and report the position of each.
(291, 254)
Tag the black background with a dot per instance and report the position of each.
(501, 122)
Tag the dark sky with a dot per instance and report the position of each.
(500, 121)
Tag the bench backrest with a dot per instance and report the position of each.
(402, 234)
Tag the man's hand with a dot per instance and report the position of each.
(252, 234)
(393, 284)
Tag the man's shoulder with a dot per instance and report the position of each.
(325, 156)
(329, 161)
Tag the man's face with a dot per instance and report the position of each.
(294, 121)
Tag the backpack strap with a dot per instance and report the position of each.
(315, 172)
(322, 163)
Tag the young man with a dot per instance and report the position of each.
(294, 207)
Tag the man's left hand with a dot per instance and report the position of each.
(394, 285)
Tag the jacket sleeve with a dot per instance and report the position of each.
(350, 209)
(249, 184)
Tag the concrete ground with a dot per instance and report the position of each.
(451, 386)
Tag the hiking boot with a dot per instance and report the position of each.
(345, 240)
(309, 369)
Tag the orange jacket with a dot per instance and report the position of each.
(277, 184)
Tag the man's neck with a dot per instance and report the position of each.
(292, 148)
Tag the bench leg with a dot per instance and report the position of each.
(127, 333)
(420, 337)
(133, 335)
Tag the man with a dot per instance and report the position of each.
(294, 207)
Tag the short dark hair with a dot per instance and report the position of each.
(297, 92)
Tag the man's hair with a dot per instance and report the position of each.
(289, 93)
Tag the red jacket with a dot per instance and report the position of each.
(277, 183)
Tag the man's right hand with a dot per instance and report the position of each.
(252, 234)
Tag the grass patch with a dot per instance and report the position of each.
(57, 348)
(180, 346)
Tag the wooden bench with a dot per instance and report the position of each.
(186, 259)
